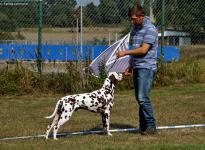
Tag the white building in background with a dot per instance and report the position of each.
(177, 38)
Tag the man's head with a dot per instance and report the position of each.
(136, 15)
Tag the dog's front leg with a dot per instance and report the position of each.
(106, 122)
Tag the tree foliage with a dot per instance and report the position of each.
(109, 12)
(6, 24)
(185, 15)
(59, 13)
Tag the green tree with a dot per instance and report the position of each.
(6, 24)
(91, 11)
(109, 12)
(59, 13)
(186, 15)
(202, 14)
(26, 16)
(21, 15)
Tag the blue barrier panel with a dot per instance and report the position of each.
(171, 53)
(66, 52)
(93, 51)
(4, 52)
(60, 52)
(70, 52)
(20, 52)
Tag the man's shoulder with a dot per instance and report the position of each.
(151, 29)
(148, 24)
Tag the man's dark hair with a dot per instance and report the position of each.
(137, 10)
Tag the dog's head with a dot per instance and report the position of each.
(114, 77)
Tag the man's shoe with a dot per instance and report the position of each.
(149, 131)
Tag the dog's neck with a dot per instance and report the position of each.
(108, 84)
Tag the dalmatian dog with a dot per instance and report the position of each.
(99, 101)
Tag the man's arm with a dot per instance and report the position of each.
(138, 51)
(135, 52)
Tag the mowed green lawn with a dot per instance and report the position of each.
(24, 115)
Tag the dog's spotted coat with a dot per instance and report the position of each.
(100, 101)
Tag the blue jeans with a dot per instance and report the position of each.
(143, 83)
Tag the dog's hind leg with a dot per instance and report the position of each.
(55, 120)
(65, 116)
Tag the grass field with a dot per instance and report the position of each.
(69, 35)
(23, 115)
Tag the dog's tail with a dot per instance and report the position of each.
(51, 116)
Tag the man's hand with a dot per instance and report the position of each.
(121, 54)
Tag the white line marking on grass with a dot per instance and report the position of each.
(100, 131)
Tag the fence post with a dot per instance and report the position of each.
(39, 54)
(162, 28)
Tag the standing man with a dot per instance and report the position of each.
(143, 65)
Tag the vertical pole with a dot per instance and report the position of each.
(77, 29)
(109, 39)
(81, 44)
(81, 31)
(66, 52)
(92, 54)
(39, 56)
(162, 27)
(116, 37)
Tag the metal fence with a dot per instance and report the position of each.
(96, 22)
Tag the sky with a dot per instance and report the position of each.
(84, 2)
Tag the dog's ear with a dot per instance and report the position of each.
(112, 78)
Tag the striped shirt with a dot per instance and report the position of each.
(146, 34)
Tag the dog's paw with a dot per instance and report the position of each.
(109, 134)
(46, 137)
